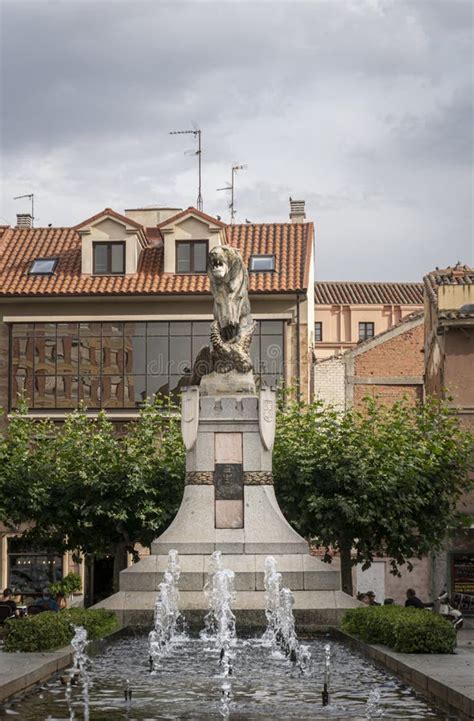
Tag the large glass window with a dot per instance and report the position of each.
(119, 365)
(31, 570)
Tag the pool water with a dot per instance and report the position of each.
(188, 687)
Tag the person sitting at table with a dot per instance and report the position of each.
(7, 599)
(46, 602)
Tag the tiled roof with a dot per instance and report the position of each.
(456, 275)
(291, 244)
(358, 293)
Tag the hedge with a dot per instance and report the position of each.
(49, 630)
(407, 630)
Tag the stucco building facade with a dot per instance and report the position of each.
(347, 313)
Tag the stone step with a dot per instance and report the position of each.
(312, 608)
(299, 572)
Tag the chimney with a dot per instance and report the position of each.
(24, 220)
(297, 211)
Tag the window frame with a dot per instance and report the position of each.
(318, 323)
(108, 244)
(47, 272)
(365, 324)
(271, 256)
(192, 244)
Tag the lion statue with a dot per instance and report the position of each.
(233, 328)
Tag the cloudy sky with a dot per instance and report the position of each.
(361, 107)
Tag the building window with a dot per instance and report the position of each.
(43, 266)
(30, 570)
(109, 258)
(366, 330)
(262, 263)
(318, 331)
(119, 365)
(191, 257)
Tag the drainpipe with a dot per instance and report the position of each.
(298, 349)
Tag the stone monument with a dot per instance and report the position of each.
(229, 502)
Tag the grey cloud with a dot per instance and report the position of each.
(364, 108)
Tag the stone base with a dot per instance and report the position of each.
(315, 585)
(266, 530)
(227, 384)
(299, 572)
(313, 609)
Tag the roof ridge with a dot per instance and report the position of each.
(371, 282)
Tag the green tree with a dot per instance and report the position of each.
(386, 481)
(85, 487)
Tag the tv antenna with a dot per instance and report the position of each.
(31, 196)
(231, 187)
(198, 152)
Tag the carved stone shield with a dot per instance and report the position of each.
(190, 416)
(266, 417)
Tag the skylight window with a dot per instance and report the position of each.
(262, 262)
(43, 266)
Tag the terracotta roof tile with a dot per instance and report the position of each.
(358, 293)
(456, 275)
(291, 244)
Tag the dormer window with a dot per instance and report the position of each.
(43, 266)
(109, 258)
(191, 256)
(262, 263)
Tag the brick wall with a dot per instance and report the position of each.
(400, 356)
(329, 382)
(394, 360)
(388, 394)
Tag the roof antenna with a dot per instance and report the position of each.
(198, 152)
(231, 187)
(31, 196)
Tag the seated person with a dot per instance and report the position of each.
(7, 599)
(371, 599)
(412, 599)
(46, 602)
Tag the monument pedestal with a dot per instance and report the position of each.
(229, 504)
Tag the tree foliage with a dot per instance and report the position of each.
(384, 481)
(85, 487)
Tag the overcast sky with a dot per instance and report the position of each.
(361, 107)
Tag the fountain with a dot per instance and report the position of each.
(280, 632)
(78, 673)
(167, 614)
(220, 623)
(327, 675)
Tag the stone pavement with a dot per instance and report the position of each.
(446, 678)
(20, 671)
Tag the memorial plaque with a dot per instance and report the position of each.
(229, 481)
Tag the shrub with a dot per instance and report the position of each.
(98, 622)
(49, 630)
(407, 630)
(68, 585)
